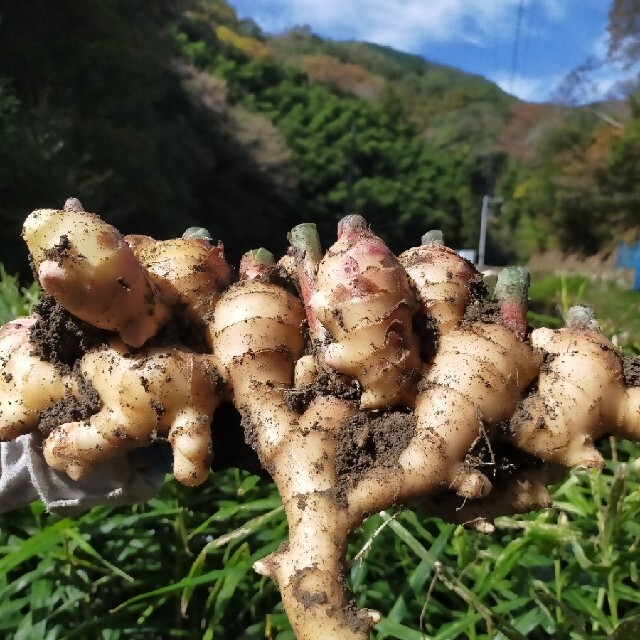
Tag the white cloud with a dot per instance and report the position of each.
(404, 24)
(596, 85)
(526, 88)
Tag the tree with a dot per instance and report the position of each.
(624, 31)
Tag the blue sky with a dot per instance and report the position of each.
(478, 36)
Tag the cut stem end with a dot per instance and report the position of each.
(352, 224)
(511, 292)
(256, 263)
(581, 317)
(435, 236)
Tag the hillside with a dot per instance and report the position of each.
(206, 120)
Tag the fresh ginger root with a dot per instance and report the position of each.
(363, 381)
(145, 396)
(131, 286)
(28, 384)
(442, 279)
(257, 338)
(87, 266)
(189, 271)
(364, 299)
(481, 370)
(581, 395)
(299, 449)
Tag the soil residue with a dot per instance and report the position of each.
(182, 330)
(497, 460)
(482, 310)
(70, 408)
(326, 383)
(369, 440)
(631, 371)
(61, 338)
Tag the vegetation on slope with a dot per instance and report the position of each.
(187, 115)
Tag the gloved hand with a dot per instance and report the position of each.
(133, 477)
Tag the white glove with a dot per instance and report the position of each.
(25, 477)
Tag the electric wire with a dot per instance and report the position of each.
(528, 30)
(516, 45)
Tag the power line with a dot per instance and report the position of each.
(495, 23)
(527, 35)
(516, 43)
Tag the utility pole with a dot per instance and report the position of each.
(487, 201)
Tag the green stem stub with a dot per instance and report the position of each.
(435, 236)
(73, 204)
(307, 250)
(352, 224)
(262, 256)
(305, 240)
(257, 263)
(511, 292)
(512, 284)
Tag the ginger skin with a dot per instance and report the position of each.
(364, 299)
(87, 266)
(581, 396)
(188, 271)
(147, 395)
(299, 449)
(28, 384)
(442, 280)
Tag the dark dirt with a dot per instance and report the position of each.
(478, 287)
(61, 338)
(426, 330)
(326, 384)
(482, 310)
(498, 460)
(70, 409)
(503, 465)
(280, 276)
(372, 439)
(60, 250)
(182, 330)
(631, 371)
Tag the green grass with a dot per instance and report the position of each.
(617, 309)
(180, 566)
(15, 300)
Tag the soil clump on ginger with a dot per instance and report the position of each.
(482, 310)
(326, 383)
(631, 371)
(367, 440)
(61, 338)
(69, 408)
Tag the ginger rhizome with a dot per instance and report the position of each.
(443, 280)
(87, 266)
(146, 395)
(363, 381)
(28, 384)
(581, 395)
(364, 300)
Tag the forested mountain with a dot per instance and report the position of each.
(163, 115)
